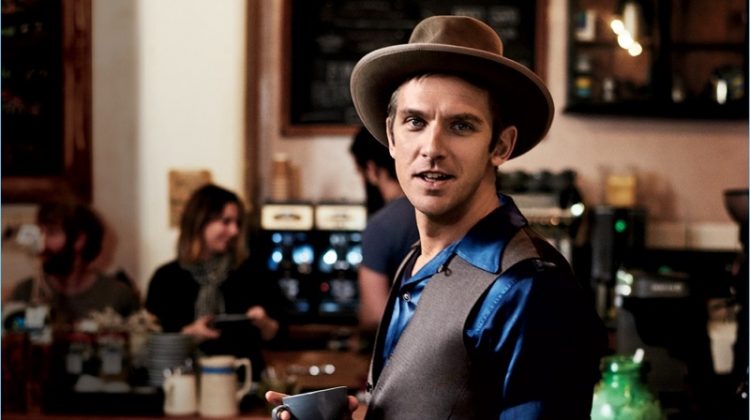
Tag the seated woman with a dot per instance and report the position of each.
(210, 277)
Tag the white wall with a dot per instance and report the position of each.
(169, 79)
(115, 125)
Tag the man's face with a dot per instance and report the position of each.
(441, 137)
(219, 233)
(58, 254)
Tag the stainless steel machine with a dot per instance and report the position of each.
(313, 252)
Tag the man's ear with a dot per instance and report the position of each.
(389, 133)
(504, 146)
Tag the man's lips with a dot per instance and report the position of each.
(433, 176)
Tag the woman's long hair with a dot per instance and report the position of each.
(204, 206)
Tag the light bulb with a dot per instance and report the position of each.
(636, 49)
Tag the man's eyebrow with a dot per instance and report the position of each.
(411, 111)
(467, 117)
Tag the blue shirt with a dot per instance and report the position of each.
(533, 326)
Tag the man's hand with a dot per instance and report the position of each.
(275, 398)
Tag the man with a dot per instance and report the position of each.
(486, 319)
(384, 243)
(70, 285)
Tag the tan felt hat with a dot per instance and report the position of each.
(461, 46)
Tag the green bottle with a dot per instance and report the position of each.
(621, 394)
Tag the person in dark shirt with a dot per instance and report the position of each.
(212, 278)
(384, 243)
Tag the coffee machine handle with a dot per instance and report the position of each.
(248, 382)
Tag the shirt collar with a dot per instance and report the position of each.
(483, 244)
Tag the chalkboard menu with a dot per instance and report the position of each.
(327, 37)
(45, 98)
(32, 88)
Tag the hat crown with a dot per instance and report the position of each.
(462, 46)
(460, 31)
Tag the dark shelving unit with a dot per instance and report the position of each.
(693, 65)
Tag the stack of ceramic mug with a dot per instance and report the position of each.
(166, 351)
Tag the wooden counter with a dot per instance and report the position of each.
(297, 371)
(318, 369)
(259, 414)
(304, 370)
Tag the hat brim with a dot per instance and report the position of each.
(525, 98)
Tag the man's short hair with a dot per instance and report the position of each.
(366, 148)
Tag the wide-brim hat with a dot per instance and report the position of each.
(461, 46)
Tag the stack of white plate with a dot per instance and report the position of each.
(165, 351)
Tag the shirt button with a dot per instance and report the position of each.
(406, 297)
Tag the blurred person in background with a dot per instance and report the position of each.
(71, 284)
(384, 243)
(212, 278)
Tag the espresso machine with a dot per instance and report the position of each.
(736, 203)
(285, 244)
(339, 229)
(551, 202)
(663, 313)
(313, 251)
(618, 240)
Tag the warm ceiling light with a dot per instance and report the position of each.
(617, 26)
(624, 40)
(636, 49)
(627, 26)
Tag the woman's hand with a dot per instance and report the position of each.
(275, 398)
(268, 326)
(201, 329)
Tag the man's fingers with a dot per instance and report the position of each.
(353, 402)
(274, 397)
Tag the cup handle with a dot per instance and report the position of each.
(278, 410)
(245, 388)
(168, 387)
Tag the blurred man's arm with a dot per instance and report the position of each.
(373, 296)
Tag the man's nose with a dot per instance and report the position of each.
(434, 143)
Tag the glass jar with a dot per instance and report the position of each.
(80, 353)
(621, 393)
(113, 356)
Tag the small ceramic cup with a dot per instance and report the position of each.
(325, 404)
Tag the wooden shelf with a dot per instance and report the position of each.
(687, 47)
(697, 110)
